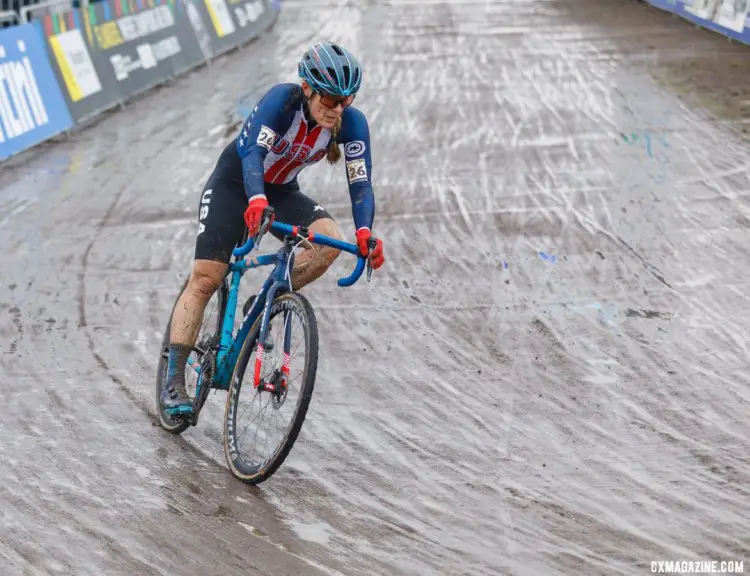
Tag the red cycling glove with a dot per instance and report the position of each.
(363, 235)
(254, 213)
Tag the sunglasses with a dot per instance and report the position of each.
(331, 101)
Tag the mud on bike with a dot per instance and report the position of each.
(221, 355)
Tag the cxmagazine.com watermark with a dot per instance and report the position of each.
(698, 567)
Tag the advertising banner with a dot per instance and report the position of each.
(234, 22)
(199, 22)
(71, 65)
(143, 42)
(32, 107)
(76, 64)
(115, 49)
(728, 17)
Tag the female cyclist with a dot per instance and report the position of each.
(292, 127)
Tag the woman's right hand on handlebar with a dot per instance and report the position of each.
(254, 213)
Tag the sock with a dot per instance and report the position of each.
(178, 355)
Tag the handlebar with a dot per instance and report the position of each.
(296, 231)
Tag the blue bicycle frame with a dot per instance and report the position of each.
(277, 282)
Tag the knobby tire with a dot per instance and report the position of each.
(255, 474)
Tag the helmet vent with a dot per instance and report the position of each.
(331, 68)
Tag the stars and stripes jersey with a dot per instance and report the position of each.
(277, 142)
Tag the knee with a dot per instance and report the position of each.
(204, 282)
(327, 257)
(327, 227)
(316, 259)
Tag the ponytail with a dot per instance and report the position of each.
(334, 153)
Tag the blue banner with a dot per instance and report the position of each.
(32, 107)
(727, 17)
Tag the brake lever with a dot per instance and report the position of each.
(261, 233)
(267, 213)
(371, 245)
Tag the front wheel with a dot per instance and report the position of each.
(254, 444)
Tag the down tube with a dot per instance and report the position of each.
(267, 296)
(232, 351)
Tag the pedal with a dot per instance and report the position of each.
(179, 410)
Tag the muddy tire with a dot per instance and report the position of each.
(255, 473)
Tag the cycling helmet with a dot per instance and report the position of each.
(329, 68)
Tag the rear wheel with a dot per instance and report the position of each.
(284, 392)
(203, 355)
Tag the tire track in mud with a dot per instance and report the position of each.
(82, 322)
(143, 405)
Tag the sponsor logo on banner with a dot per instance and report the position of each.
(248, 12)
(127, 28)
(135, 27)
(149, 56)
(732, 14)
(220, 17)
(87, 83)
(730, 18)
(201, 32)
(75, 64)
(31, 105)
(702, 8)
(234, 22)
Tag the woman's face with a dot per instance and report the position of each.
(326, 109)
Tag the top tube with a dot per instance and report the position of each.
(315, 239)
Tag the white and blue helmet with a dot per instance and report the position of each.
(331, 69)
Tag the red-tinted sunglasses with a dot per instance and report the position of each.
(331, 101)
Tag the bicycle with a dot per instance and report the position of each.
(220, 357)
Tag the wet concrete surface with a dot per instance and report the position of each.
(549, 376)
